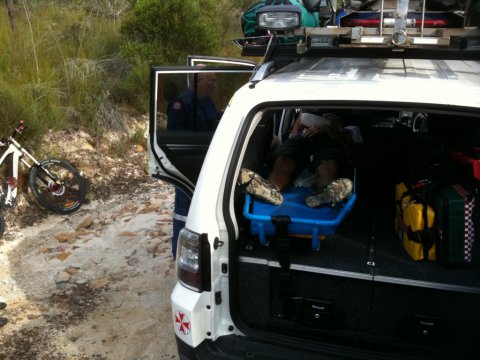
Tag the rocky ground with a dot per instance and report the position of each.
(94, 284)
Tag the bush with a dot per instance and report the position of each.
(12, 103)
(166, 31)
(28, 103)
(63, 67)
(134, 88)
(57, 64)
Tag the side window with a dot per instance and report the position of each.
(186, 105)
(194, 101)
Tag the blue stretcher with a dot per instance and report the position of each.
(305, 221)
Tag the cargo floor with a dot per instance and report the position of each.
(365, 247)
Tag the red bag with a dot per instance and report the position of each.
(471, 160)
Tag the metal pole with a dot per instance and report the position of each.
(381, 18)
(423, 18)
(400, 32)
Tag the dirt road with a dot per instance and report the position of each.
(94, 284)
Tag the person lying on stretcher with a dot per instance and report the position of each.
(320, 143)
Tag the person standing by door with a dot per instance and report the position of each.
(192, 111)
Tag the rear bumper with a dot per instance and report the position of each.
(235, 347)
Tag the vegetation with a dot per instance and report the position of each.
(150, 39)
(86, 62)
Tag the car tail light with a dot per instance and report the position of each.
(193, 260)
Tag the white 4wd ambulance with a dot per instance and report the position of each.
(358, 280)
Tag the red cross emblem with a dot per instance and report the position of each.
(182, 322)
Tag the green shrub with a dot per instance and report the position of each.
(62, 67)
(19, 103)
(12, 107)
(137, 137)
(133, 89)
(166, 31)
(60, 61)
(107, 9)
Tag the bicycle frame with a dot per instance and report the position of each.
(18, 153)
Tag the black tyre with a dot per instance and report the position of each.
(2, 225)
(57, 186)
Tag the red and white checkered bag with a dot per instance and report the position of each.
(469, 202)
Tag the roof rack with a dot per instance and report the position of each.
(396, 32)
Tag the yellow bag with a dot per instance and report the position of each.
(410, 225)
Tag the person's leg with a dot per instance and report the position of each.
(328, 160)
(325, 173)
(289, 160)
(330, 190)
(182, 204)
(283, 169)
(288, 157)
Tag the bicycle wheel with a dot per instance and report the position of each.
(2, 225)
(57, 186)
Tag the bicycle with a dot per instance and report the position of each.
(54, 183)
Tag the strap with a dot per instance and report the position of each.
(283, 246)
(425, 236)
(281, 223)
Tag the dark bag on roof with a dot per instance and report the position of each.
(312, 5)
(249, 20)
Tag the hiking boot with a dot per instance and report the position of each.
(259, 187)
(335, 192)
(340, 189)
(317, 199)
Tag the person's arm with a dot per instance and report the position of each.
(338, 133)
(297, 125)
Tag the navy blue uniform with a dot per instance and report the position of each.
(180, 113)
(180, 116)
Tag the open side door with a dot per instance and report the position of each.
(193, 60)
(186, 104)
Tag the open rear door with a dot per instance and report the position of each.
(182, 121)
